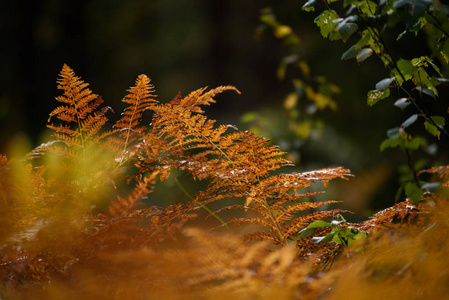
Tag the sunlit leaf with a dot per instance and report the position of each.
(375, 95)
(365, 40)
(346, 30)
(319, 224)
(402, 103)
(432, 129)
(412, 119)
(282, 31)
(309, 6)
(406, 70)
(325, 22)
(384, 83)
(428, 91)
(364, 54)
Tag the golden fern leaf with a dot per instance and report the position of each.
(399, 212)
(237, 163)
(196, 98)
(441, 171)
(125, 206)
(225, 265)
(139, 99)
(81, 107)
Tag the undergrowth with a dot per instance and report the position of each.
(67, 230)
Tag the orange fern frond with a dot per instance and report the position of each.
(81, 107)
(237, 163)
(441, 171)
(196, 98)
(399, 212)
(125, 206)
(139, 99)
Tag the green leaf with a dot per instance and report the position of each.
(412, 119)
(338, 240)
(432, 129)
(437, 17)
(307, 231)
(364, 54)
(413, 192)
(346, 30)
(364, 41)
(414, 9)
(390, 143)
(406, 68)
(428, 91)
(384, 83)
(444, 50)
(359, 235)
(367, 7)
(375, 95)
(440, 121)
(394, 133)
(415, 143)
(318, 239)
(350, 53)
(402, 103)
(319, 224)
(325, 22)
(309, 6)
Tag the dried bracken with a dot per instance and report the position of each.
(67, 220)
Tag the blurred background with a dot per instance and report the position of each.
(183, 45)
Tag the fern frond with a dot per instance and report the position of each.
(139, 99)
(288, 211)
(399, 212)
(441, 171)
(196, 98)
(125, 206)
(262, 236)
(81, 109)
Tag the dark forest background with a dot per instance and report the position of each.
(183, 45)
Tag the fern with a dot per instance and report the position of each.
(80, 108)
(55, 239)
(140, 99)
(82, 119)
(238, 164)
(442, 172)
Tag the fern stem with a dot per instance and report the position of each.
(202, 205)
(266, 206)
(82, 140)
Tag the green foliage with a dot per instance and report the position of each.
(415, 80)
(341, 234)
(310, 94)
